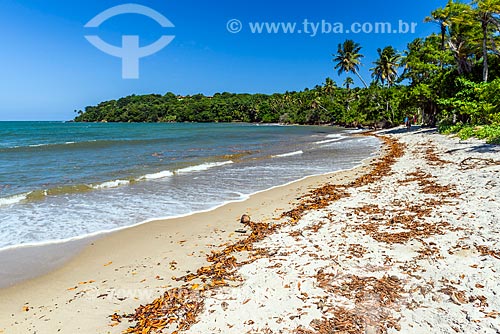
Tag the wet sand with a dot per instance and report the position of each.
(122, 270)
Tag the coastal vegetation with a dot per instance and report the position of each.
(450, 79)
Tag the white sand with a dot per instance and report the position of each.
(448, 287)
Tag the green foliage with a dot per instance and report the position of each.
(490, 133)
(320, 105)
(474, 103)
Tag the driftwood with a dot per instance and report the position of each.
(471, 163)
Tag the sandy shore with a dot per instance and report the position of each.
(415, 251)
(123, 270)
(409, 245)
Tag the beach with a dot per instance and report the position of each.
(135, 265)
(79, 180)
(406, 243)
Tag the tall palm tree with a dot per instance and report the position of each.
(486, 12)
(441, 16)
(386, 70)
(348, 58)
(386, 66)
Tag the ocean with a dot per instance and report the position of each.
(63, 181)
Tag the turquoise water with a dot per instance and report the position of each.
(65, 180)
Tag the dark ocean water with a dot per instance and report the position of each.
(64, 180)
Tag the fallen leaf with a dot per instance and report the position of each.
(492, 314)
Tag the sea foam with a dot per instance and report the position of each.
(290, 154)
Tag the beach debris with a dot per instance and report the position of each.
(474, 163)
(456, 296)
(323, 196)
(374, 299)
(433, 159)
(356, 250)
(241, 231)
(492, 314)
(485, 250)
(178, 308)
(343, 320)
(245, 219)
(173, 265)
(315, 200)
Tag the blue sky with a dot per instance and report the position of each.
(48, 69)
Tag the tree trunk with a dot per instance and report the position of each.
(485, 51)
(360, 78)
(443, 35)
(387, 106)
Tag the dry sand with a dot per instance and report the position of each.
(415, 252)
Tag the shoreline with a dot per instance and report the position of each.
(408, 243)
(183, 240)
(103, 233)
(34, 253)
(47, 228)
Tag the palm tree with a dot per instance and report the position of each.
(386, 66)
(386, 69)
(348, 58)
(486, 13)
(348, 82)
(441, 16)
(329, 87)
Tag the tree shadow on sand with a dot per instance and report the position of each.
(413, 128)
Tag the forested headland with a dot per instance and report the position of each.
(450, 79)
